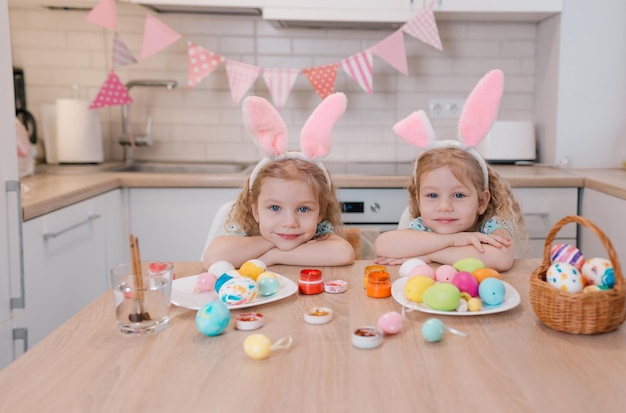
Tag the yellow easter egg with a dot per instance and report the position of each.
(474, 304)
(415, 287)
(251, 269)
(257, 346)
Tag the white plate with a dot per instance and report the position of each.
(511, 300)
(184, 294)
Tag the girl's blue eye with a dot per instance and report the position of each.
(274, 208)
(303, 209)
(459, 195)
(431, 196)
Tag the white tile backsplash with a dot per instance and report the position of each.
(59, 48)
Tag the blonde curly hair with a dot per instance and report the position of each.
(502, 203)
(290, 170)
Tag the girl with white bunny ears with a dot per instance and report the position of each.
(287, 211)
(460, 206)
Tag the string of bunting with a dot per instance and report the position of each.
(241, 76)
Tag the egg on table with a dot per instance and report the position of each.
(237, 291)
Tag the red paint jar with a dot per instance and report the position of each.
(378, 284)
(310, 282)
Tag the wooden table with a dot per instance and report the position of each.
(508, 362)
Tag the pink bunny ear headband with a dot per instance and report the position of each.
(270, 132)
(479, 113)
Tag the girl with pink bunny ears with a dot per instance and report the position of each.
(460, 207)
(288, 211)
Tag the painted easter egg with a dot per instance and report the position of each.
(565, 277)
(442, 297)
(433, 330)
(415, 287)
(206, 281)
(252, 268)
(238, 291)
(600, 272)
(220, 267)
(212, 318)
(268, 286)
(425, 270)
(491, 291)
(408, 265)
(482, 273)
(468, 264)
(466, 282)
(445, 273)
(390, 322)
(568, 254)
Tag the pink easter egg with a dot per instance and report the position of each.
(567, 254)
(390, 323)
(206, 281)
(445, 273)
(424, 269)
(466, 282)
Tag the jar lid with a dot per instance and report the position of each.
(318, 315)
(367, 337)
(310, 274)
(336, 286)
(248, 321)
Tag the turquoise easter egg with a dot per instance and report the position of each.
(213, 318)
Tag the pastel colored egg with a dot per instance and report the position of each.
(268, 286)
(565, 277)
(468, 264)
(433, 330)
(462, 307)
(492, 291)
(445, 273)
(252, 268)
(267, 274)
(442, 297)
(599, 271)
(474, 304)
(424, 269)
(482, 273)
(466, 282)
(391, 322)
(408, 265)
(221, 280)
(567, 254)
(238, 291)
(257, 346)
(415, 287)
(206, 281)
(220, 267)
(212, 318)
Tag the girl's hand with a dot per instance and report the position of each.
(476, 239)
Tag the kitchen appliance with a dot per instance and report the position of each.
(509, 142)
(78, 132)
(21, 111)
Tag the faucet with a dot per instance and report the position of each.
(127, 140)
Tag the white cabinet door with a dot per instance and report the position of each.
(606, 212)
(65, 263)
(172, 223)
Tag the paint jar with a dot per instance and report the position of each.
(369, 269)
(378, 284)
(310, 282)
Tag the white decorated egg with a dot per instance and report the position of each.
(568, 254)
(408, 265)
(600, 272)
(565, 277)
(238, 291)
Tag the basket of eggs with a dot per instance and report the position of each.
(574, 295)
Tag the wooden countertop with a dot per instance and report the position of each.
(509, 361)
(43, 193)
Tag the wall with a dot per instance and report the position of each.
(58, 49)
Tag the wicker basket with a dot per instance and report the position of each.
(578, 313)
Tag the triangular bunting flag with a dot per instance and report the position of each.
(103, 14)
(156, 36)
(322, 78)
(423, 27)
(391, 50)
(359, 68)
(122, 56)
(201, 62)
(241, 76)
(279, 82)
(112, 93)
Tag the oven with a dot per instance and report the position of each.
(372, 211)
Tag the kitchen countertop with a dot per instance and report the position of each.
(48, 191)
(508, 361)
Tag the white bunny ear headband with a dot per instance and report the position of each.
(479, 113)
(270, 132)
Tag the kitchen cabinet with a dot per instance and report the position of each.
(606, 212)
(67, 257)
(172, 223)
(542, 208)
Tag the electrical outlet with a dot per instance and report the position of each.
(445, 108)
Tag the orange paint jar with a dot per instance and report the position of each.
(378, 284)
(369, 269)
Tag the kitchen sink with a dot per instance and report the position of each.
(183, 167)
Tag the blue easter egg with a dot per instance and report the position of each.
(221, 280)
(268, 286)
(213, 318)
(491, 291)
(433, 330)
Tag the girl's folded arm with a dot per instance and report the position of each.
(235, 249)
(333, 250)
(404, 243)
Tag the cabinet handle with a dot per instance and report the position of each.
(536, 214)
(21, 334)
(90, 218)
(14, 186)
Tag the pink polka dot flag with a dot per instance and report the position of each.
(322, 78)
(201, 63)
(112, 93)
(423, 27)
